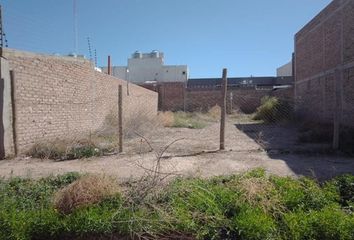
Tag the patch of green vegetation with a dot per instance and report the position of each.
(188, 120)
(273, 109)
(253, 205)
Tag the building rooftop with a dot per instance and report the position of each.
(248, 81)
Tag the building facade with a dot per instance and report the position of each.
(145, 68)
(324, 65)
(285, 70)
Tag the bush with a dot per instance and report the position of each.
(69, 149)
(273, 109)
(345, 187)
(85, 191)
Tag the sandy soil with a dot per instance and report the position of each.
(249, 145)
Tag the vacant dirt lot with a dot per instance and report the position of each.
(249, 145)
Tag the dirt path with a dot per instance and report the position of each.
(245, 150)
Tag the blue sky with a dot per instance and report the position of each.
(249, 37)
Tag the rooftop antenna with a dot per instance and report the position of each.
(89, 48)
(6, 42)
(75, 26)
(1, 30)
(95, 57)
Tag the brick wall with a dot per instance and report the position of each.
(176, 97)
(245, 99)
(63, 97)
(326, 45)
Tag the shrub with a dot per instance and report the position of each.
(273, 109)
(345, 187)
(85, 191)
(69, 149)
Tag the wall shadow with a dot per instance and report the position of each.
(280, 141)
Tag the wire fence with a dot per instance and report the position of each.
(262, 114)
(72, 96)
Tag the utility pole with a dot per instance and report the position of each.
(76, 43)
(1, 33)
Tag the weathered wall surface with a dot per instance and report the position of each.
(326, 45)
(63, 97)
(6, 131)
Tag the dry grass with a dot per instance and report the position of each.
(215, 112)
(259, 192)
(85, 191)
(194, 120)
(167, 118)
(138, 121)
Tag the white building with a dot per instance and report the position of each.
(149, 67)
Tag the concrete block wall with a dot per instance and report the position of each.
(64, 97)
(326, 45)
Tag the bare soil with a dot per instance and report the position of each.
(194, 153)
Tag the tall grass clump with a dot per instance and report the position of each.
(273, 109)
(85, 191)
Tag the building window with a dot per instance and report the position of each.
(184, 73)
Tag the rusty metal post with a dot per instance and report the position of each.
(223, 109)
(120, 118)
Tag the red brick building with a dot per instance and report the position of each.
(324, 65)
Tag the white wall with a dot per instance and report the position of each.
(150, 68)
(175, 73)
(144, 69)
